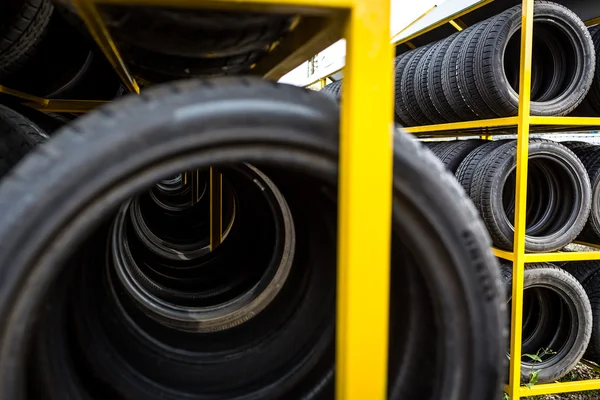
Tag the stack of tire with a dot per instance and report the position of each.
(41, 54)
(109, 290)
(563, 205)
(162, 44)
(474, 74)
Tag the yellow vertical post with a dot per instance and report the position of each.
(216, 206)
(521, 199)
(364, 214)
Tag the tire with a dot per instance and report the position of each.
(465, 172)
(582, 270)
(593, 98)
(334, 89)
(566, 27)
(402, 111)
(465, 73)
(46, 123)
(18, 136)
(435, 81)
(455, 154)
(422, 95)
(445, 279)
(196, 34)
(559, 205)
(450, 76)
(22, 26)
(592, 288)
(568, 324)
(590, 157)
(155, 67)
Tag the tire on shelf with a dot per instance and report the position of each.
(455, 154)
(590, 157)
(564, 326)
(47, 122)
(22, 26)
(435, 81)
(467, 168)
(18, 136)
(592, 288)
(500, 45)
(421, 88)
(450, 76)
(334, 89)
(559, 205)
(401, 107)
(446, 290)
(196, 33)
(466, 72)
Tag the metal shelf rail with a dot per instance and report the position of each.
(363, 231)
(524, 123)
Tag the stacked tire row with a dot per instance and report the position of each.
(563, 205)
(108, 289)
(474, 74)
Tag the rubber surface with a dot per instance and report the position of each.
(453, 301)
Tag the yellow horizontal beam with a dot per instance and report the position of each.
(283, 6)
(592, 22)
(570, 121)
(67, 106)
(507, 255)
(560, 256)
(484, 123)
(24, 96)
(560, 387)
(444, 21)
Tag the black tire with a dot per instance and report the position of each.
(155, 67)
(582, 270)
(466, 72)
(590, 157)
(592, 288)
(560, 199)
(577, 47)
(450, 76)
(455, 154)
(435, 81)
(18, 136)
(421, 87)
(568, 325)
(401, 107)
(593, 98)
(334, 89)
(47, 123)
(196, 34)
(408, 88)
(466, 170)
(446, 285)
(22, 26)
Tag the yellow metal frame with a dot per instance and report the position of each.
(363, 231)
(523, 123)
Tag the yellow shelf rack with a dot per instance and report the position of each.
(364, 231)
(522, 124)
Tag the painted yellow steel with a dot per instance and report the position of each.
(93, 20)
(560, 387)
(364, 230)
(507, 255)
(568, 121)
(592, 22)
(562, 256)
(304, 6)
(445, 21)
(457, 126)
(455, 25)
(514, 380)
(24, 96)
(66, 106)
(216, 205)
